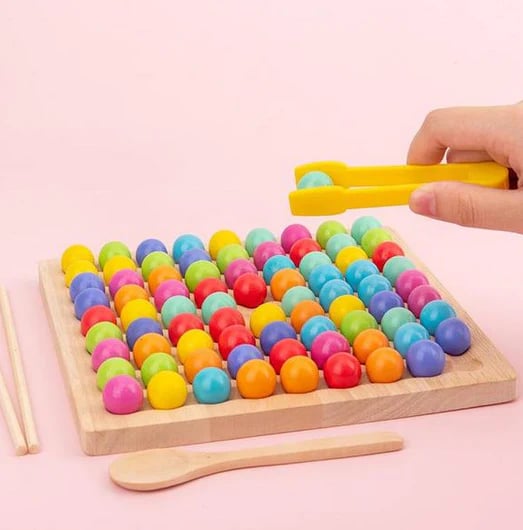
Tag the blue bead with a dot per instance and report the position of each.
(190, 256)
(239, 355)
(275, 264)
(140, 327)
(275, 332)
(338, 242)
(434, 313)
(88, 298)
(407, 334)
(211, 385)
(370, 285)
(146, 247)
(382, 301)
(83, 281)
(358, 270)
(331, 290)
(453, 335)
(314, 179)
(313, 327)
(184, 243)
(425, 358)
(321, 275)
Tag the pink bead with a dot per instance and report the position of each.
(266, 250)
(124, 277)
(420, 297)
(236, 268)
(326, 344)
(108, 348)
(167, 289)
(123, 394)
(293, 233)
(408, 280)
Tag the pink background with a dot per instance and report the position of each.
(113, 114)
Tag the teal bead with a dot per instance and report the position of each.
(176, 305)
(256, 237)
(434, 313)
(395, 266)
(363, 225)
(295, 295)
(312, 260)
(211, 385)
(214, 302)
(314, 179)
(337, 242)
(394, 318)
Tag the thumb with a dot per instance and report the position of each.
(470, 205)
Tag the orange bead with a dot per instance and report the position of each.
(367, 341)
(147, 345)
(256, 379)
(385, 365)
(283, 280)
(161, 274)
(299, 374)
(198, 360)
(126, 294)
(303, 311)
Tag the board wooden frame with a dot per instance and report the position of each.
(482, 376)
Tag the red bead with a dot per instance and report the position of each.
(233, 336)
(283, 350)
(250, 290)
(342, 370)
(223, 318)
(207, 287)
(95, 314)
(182, 323)
(301, 248)
(384, 251)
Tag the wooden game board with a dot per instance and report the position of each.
(482, 376)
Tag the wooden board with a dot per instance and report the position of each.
(482, 376)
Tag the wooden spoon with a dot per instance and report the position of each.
(162, 468)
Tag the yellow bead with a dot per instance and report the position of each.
(77, 267)
(265, 314)
(191, 340)
(342, 305)
(220, 239)
(115, 264)
(137, 308)
(76, 253)
(348, 255)
(167, 390)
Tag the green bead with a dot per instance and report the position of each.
(214, 302)
(363, 225)
(356, 321)
(328, 229)
(257, 236)
(111, 249)
(100, 332)
(228, 254)
(394, 318)
(198, 271)
(157, 362)
(174, 306)
(395, 266)
(312, 260)
(111, 368)
(295, 295)
(153, 260)
(372, 238)
(338, 242)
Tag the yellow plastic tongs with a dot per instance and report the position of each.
(368, 187)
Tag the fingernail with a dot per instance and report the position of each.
(423, 201)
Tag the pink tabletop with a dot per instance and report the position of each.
(128, 120)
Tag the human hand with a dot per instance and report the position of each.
(471, 134)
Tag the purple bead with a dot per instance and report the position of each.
(420, 297)
(408, 280)
(123, 394)
(293, 233)
(236, 268)
(266, 250)
(190, 256)
(425, 359)
(167, 289)
(124, 277)
(382, 301)
(326, 344)
(107, 349)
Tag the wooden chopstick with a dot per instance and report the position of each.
(31, 438)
